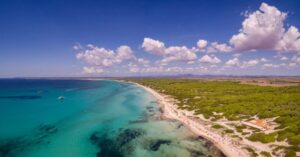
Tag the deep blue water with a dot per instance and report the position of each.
(88, 118)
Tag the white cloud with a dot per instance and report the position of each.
(261, 29)
(264, 29)
(101, 58)
(296, 59)
(263, 60)
(153, 69)
(250, 63)
(290, 41)
(92, 70)
(270, 65)
(216, 47)
(232, 62)
(237, 55)
(235, 62)
(285, 65)
(174, 69)
(97, 56)
(143, 61)
(124, 53)
(209, 59)
(77, 46)
(190, 62)
(133, 68)
(202, 43)
(292, 64)
(243, 64)
(182, 53)
(169, 54)
(155, 47)
(284, 58)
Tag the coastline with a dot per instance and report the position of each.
(224, 143)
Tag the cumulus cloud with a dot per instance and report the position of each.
(232, 62)
(292, 64)
(260, 30)
(169, 54)
(92, 70)
(284, 58)
(243, 64)
(77, 46)
(209, 59)
(177, 53)
(296, 59)
(143, 61)
(250, 63)
(155, 47)
(236, 55)
(284, 65)
(290, 41)
(133, 68)
(174, 69)
(154, 69)
(124, 52)
(202, 43)
(190, 62)
(270, 65)
(264, 29)
(216, 47)
(263, 60)
(99, 58)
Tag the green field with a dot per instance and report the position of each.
(238, 101)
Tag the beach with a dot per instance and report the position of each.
(200, 127)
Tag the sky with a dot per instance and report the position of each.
(74, 38)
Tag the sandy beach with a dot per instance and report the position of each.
(225, 143)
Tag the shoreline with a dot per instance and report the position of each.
(225, 143)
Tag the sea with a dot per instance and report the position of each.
(89, 118)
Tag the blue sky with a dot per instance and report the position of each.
(135, 38)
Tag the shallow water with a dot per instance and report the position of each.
(95, 118)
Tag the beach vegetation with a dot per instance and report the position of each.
(264, 138)
(228, 131)
(251, 151)
(265, 154)
(217, 126)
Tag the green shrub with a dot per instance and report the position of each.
(264, 138)
(228, 131)
(294, 140)
(251, 151)
(266, 154)
(290, 153)
(217, 126)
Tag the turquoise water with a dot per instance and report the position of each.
(92, 118)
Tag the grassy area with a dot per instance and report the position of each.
(237, 101)
(240, 128)
(228, 131)
(217, 126)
